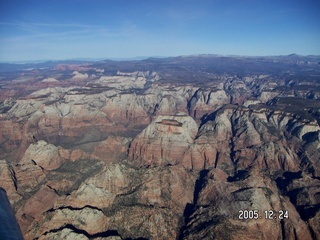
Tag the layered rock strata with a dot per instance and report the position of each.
(107, 154)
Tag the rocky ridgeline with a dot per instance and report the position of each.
(133, 155)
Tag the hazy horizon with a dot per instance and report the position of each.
(139, 58)
(72, 29)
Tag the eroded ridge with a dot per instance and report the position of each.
(195, 147)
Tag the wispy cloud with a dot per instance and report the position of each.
(53, 30)
(52, 25)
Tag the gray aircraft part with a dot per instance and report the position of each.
(9, 227)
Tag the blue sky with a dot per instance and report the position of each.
(64, 29)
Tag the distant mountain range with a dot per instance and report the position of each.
(77, 60)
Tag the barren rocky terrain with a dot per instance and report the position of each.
(190, 147)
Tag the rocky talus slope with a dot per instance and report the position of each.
(143, 155)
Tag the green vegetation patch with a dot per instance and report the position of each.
(77, 172)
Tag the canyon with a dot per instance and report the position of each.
(163, 148)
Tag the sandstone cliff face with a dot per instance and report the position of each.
(42, 154)
(222, 218)
(206, 101)
(127, 202)
(237, 136)
(245, 144)
(125, 80)
(8, 181)
(143, 155)
(164, 141)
